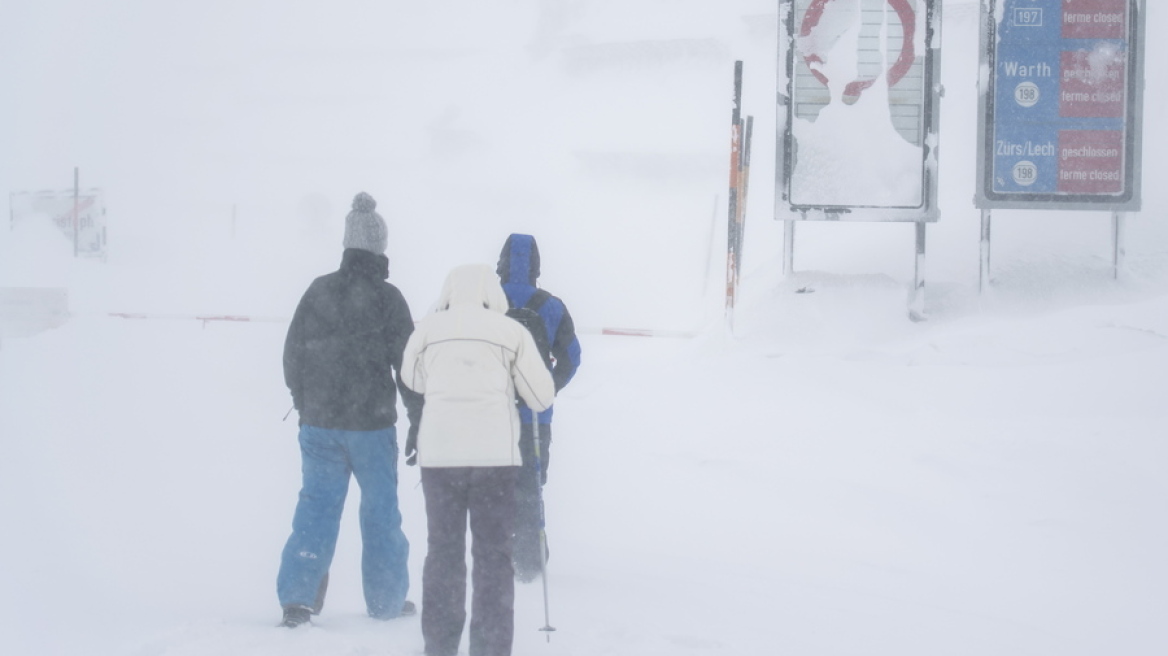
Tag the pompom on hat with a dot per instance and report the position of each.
(364, 227)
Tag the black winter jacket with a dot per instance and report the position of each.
(344, 347)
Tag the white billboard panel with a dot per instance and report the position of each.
(860, 109)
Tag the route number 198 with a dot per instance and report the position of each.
(1026, 94)
(1025, 173)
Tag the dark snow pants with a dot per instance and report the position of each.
(487, 495)
(525, 551)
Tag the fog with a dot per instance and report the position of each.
(826, 477)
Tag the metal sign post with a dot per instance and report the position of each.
(76, 202)
(788, 247)
(916, 303)
(1119, 247)
(983, 281)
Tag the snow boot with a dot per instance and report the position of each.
(408, 609)
(294, 616)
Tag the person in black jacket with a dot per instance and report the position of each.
(343, 349)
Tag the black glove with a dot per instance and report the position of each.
(412, 446)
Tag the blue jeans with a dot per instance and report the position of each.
(328, 457)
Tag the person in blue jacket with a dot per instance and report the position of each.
(518, 271)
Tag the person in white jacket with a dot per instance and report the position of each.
(471, 362)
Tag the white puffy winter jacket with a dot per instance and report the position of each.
(469, 359)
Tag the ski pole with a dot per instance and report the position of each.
(547, 625)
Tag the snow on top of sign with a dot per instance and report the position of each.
(1102, 60)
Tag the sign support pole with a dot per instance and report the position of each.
(916, 304)
(781, 129)
(788, 247)
(1118, 243)
(76, 200)
(983, 284)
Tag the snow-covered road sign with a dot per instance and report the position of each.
(83, 212)
(861, 90)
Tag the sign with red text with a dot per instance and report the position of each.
(1061, 109)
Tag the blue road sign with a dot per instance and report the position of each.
(1061, 112)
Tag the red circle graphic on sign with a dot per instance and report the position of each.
(897, 71)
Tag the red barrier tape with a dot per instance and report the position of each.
(236, 318)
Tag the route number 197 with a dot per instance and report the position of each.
(1028, 16)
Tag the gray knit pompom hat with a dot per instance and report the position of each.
(364, 228)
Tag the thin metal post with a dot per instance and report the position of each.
(983, 284)
(788, 247)
(916, 305)
(1118, 243)
(76, 199)
(782, 132)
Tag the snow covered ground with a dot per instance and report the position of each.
(831, 480)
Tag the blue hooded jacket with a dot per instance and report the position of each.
(518, 271)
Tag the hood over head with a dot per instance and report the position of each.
(519, 261)
(472, 285)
